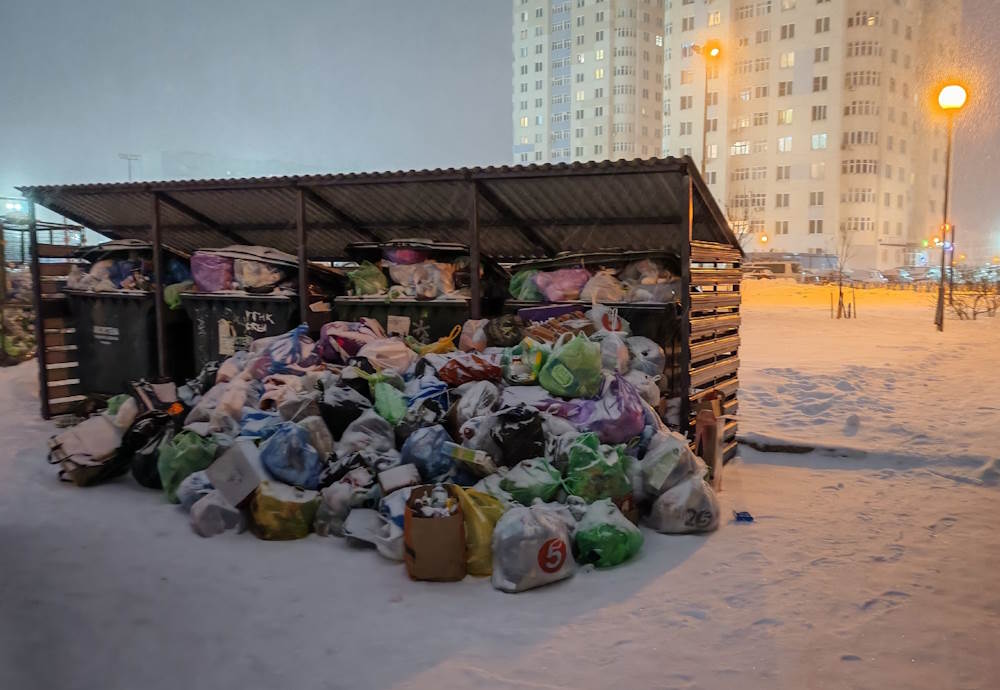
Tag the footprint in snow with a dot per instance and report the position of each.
(845, 386)
(772, 622)
(941, 525)
(850, 657)
(851, 425)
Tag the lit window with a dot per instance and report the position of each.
(599, 73)
(785, 144)
(580, 95)
(818, 141)
(524, 121)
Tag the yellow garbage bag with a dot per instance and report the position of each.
(481, 512)
(438, 347)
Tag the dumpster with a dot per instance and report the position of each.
(116, 339)
(223, 323)
(402, 313)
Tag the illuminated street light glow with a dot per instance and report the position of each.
(952, 97)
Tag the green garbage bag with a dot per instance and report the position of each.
(172, 293)
(573, 370)
(522, 286)
(605, 537)
(186, 453)
(390, 403)
(368, 279)
(595, 472)
(115, 402)
(531, 479)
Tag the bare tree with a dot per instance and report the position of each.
(739, 221)
(975, 295)
(845, 246)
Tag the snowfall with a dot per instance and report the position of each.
(873, 560)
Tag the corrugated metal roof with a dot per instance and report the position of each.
(524, 211)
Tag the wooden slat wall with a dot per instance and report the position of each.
(715, 330)
(60, 392)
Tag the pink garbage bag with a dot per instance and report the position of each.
(211, 273)
(564, 284)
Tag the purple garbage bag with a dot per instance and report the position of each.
(561, 285)
(211, 273)
(617, 416)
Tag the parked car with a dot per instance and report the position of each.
(780, 269)
(901, 275)
(869, 278)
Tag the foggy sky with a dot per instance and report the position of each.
(333, 85)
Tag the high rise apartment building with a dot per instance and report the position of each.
(820, 113)
(820, 118)
(587, 79)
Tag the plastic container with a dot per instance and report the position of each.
(225, 323)
(116, 339)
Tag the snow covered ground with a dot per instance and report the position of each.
(873, 561)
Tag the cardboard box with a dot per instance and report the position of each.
(235, 474)
(433, 548)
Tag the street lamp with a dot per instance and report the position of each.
(951, 100)
(711, 52)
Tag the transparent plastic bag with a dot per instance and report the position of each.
(646, 385)
(389, 353)
(647, 356)
(614, 353)
(473, 336)
(370, 431)
(603, 287)
(688, 507)
(256, 274)
(424, 448)
(668, 461)
(532, 547)
(475, 399)
(522, 286)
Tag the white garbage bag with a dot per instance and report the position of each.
(690, 506)
(533, 547)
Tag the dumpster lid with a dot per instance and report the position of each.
(610, 255)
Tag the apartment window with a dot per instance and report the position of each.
(687, 102)
(787, 59)
(784, 172)
(785, 116)
(759, 119)
(788, 5)
(714, 18)
(599, 54)
(787, 31)
(746, 95)
(659, 41)
(739, 148)
(710, 125)
(578, 152)
(524, 105)
(581, 95)
(816, 227)
(538, 84)
(762, 36)
(815, 198)
(538, 102)
(599, 111)
(539, 120)
(760, 91)
(598, 149)
(539, 13)
(598, 130)
(819, 84)
(822, 24)
(782, 200)
(686, 128)
(713, 151)
(759, 172)
(599, 93)
(687, 76)
(524, 87)
(580, 40)
(599, 16)
(687, 24)
(817, 171)
(781, 227)
(784, 88)
(784, 144)
(599, 36)
(524, 158)
(579, 21)
(822, 54)
(818, 113)
(524, 121)
(711, 175)
(578, 77)
(713, 98)
(599, 73)
(579, 114)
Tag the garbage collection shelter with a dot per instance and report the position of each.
(509, 213)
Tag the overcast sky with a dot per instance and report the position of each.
(331, 85)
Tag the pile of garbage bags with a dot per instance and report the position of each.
(646, 280)
(411, 272)
(17, 330)
(488, 453)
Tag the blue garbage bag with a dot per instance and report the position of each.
(424, 448)
(289, 458)
(259, 424)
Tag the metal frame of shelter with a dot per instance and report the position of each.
(510, 213)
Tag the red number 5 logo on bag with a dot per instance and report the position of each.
(552, 555)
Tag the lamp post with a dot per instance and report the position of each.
(711, 53)
(951, 99)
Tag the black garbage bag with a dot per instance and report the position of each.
(340, 406)
(420, 415)
(519, 434)
(141, 445)
(351, 377)
(505, 331)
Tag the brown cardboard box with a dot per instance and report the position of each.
(709, 425)
(434, 548)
